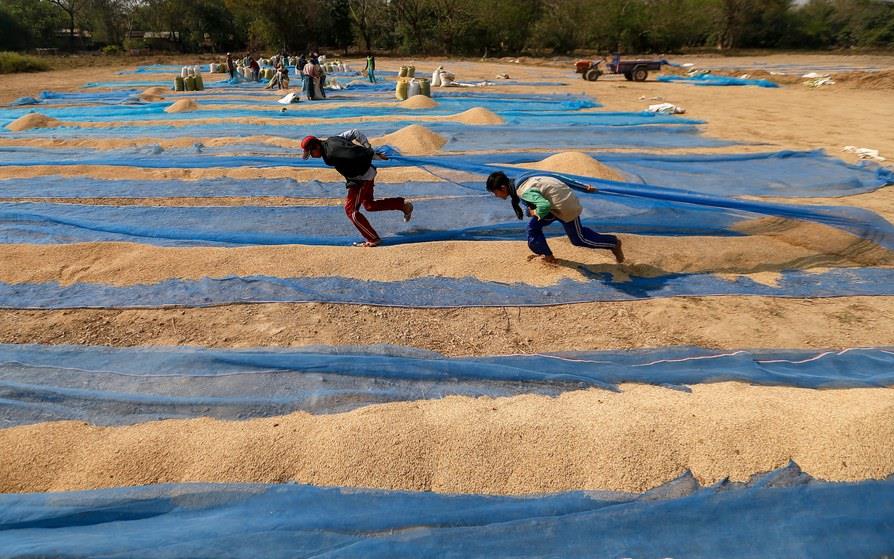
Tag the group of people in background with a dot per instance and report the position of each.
(248, 61)
(308, 68)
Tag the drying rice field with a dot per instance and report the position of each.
(194, 360)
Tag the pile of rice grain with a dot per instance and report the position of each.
(413, 140)
(418, 102)
(477, 116)
(182, 106)
(32, 120)
(576, 163)
(631, 440)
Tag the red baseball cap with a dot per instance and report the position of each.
(307, 143)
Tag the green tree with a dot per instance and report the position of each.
(565, 25)
(816, 24)
(621, 26)
(414, 23)
(769, 24)
(191, 26)
(505, 26)
(108, 20)
(866, 23)
(13, 36)
(454, 25)
(370, 20)
(34, 22)
(73, 9)
(340, 34)
(673, 24)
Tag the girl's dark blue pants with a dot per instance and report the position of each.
(578, 235)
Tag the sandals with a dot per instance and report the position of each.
(367, 244)
(408, 211)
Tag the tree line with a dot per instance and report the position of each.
(459, 27)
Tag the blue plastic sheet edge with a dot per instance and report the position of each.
(859, 367)
(119, 386)
(710, 79)
(784, 513)
(860, 222)
(788, 173)
(437, 292)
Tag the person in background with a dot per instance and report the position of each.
(311, 78)
(231, 66)
(276, 80)
(549, 199)
(282, 69)
(318, 78)
(370, 67)
(255, 69)
(322, 80)
(352, 156)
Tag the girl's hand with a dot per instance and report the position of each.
(591, 188)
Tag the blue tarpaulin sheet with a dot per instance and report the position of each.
(24, 101)
(537, 120)
(433, 220)
(783, 173)
(558, 109)
(87, 187)
(163, 69)
(440, 292)
(645, 210)
(787, 68)
(857, 221)
(785, 513)
(620, 207)
(711, 79)
(135, 83)
(116, 386)
(75, 116)
(88, 97)
(459, 137)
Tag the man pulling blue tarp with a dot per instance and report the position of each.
(550, 199)
(352, 156)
